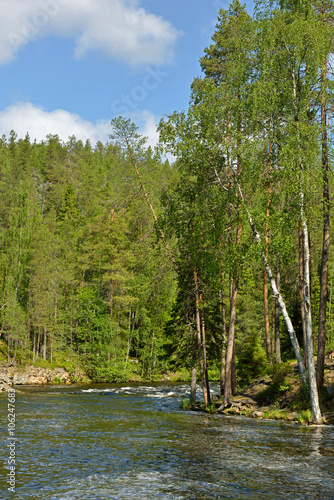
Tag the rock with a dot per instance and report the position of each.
(32, 375)
(6, 376)
(330, 390)
(4, 387)
(292, 417)
(20, 379)
(257, 414)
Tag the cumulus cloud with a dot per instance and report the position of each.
(120, 29)
(38, 122)
(147, 124)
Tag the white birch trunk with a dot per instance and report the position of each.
(276, 294)
(316, 412)
(193, 384)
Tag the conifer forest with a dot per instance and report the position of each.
(209, 255)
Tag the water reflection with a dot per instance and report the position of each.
(133, 442)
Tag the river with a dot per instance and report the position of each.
(134, 442)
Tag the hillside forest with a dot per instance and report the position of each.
(215, 263)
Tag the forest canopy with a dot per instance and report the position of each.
(118, 261)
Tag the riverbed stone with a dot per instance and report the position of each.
(33, 375)
(257, 414)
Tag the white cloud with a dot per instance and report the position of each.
(25, 117)
(147, 126)
(119, 29)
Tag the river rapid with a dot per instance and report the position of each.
(134, 442)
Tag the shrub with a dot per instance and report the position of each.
(279, 372)
(302, 400)
(251, 359)
(271, 393)
(305, 417)
(185, 404)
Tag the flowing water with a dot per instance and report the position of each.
(134, 442)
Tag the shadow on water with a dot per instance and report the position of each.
(134, 442)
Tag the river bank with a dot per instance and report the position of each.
(279, 396)
(266, 397)
(132, 442)
(34, 375)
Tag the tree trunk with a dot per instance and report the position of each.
(134, 163)
(230, 344)
(325, 238)
(277, 295)
(233, 373)
(44, 345)
(193, 384)
(223, 348)
(265, 288)
(316, 413)
(199, 342)
(266, 316)
(34, 348)
(277, 334)
(111, 299)
(301, 289)
(37, 346)
(205, 364)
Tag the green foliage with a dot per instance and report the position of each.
(302, 399)
(83, 279)
(185, 404)
(279, 372)
(305, 417)
(85, 276)
(273, 392)
(252, 361)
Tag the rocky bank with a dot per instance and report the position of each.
(32, 375)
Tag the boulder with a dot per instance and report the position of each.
(257, 414)
(20, 379)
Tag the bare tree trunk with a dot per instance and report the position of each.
(316, 413)
(193, 384)
(111, 298)
(205, 364)
(44, 345)
(265, 290)
(34, 348)
(230, 344)
(277, 295)
(134, 163)
(325, 239)
(277, 333)
(233, 373)
(37, 346)
(266, 317)
(129, 340)
(199, 342)
(301, 289)
(223, 348)
(11, 363)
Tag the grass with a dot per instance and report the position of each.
(305, 417)
(185, 404)
(276, 414)
(273, 392)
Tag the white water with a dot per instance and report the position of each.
(134, 442)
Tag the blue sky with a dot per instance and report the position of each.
(69, 66)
